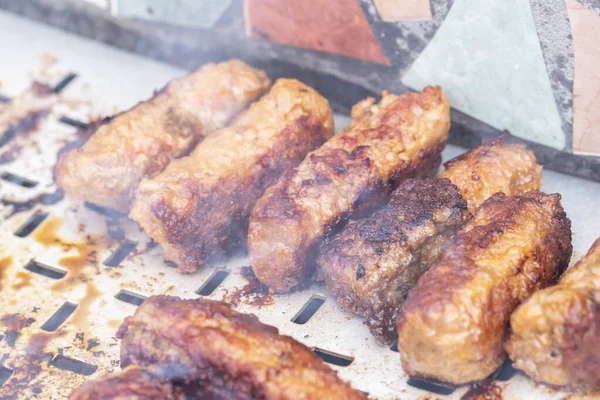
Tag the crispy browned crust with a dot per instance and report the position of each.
(399, 138)
(370, 266)
(133, 383)
(453, 323)
(491, 168)
(555, 334)
(143, 140)
(200, 204)
(226, 352)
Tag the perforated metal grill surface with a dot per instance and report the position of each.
(69, 274)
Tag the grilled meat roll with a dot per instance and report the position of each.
(453, 323)
(143, 140)
(133, 383)
(226, 352)
(372, 263)
(555, 334)
(399, 138)
(370, 266)
(491, 168)
(199, 205)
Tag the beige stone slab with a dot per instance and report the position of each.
(585, 27)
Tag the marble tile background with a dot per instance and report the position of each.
(524, 65)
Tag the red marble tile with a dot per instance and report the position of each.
(585, 28)
(403, 10)
(334, 26)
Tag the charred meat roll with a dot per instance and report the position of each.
(399, 138)
(143, 140)
(225, 352)
(200, 204)
(133, 383)
(494, 167)
(453, 324)
(555, 334)
(370, 266)
(373, 262)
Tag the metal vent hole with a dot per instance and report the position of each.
(73, 365)
(431, 386)
(333, 358)
(17, 180)
(212, 283)
(5, 374)
(73, 122)
(506, 371)
(109, 212)
(130, 297)
(45, 270)
(8, 135)
(29, 226)
(309, 309)
(64, 82)
(60, 316)
(120, 254)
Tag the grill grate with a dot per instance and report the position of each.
(67, 282)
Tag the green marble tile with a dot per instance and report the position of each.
(487, 57)
(190, 13)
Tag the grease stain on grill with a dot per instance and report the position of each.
(5, 374)
(64, 82)
(29, 226)
(15, 323)
(18, 180)
(212, 283)
(254, 293)
(5, 263)
(487, 390)
(120, 254)
(30, 363)
(73, 365)
(309, 309)
(46, 199)
(432, 386)
(22, 128)
(333, 358)
(59, 317)
(23, 280)
(45, 270)
(130, 297)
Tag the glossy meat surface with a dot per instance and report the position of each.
(555, 334)
(370, 266)
(132, 383)
(200, 204)
(225, 352)
(454, 321)
(143, 140)
(491, 168)
(392, 248)
(401, 137)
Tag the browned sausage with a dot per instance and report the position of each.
(555, 334)
(399, 138)
(454, 321)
